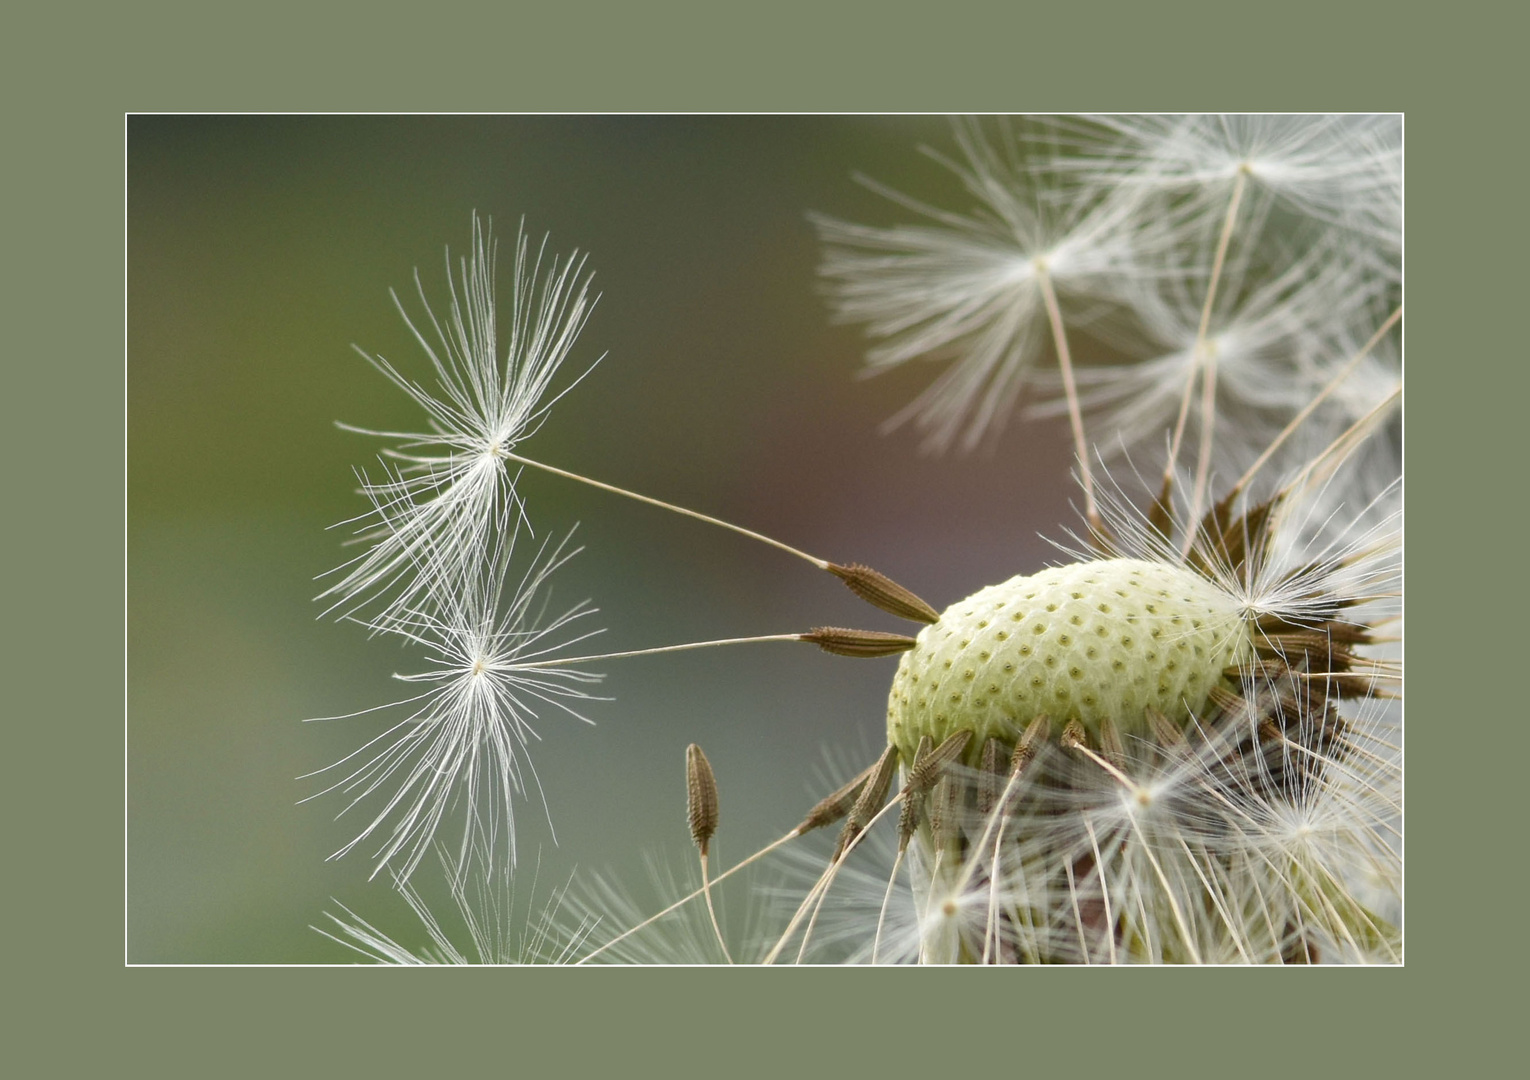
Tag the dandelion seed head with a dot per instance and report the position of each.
(1250, 814)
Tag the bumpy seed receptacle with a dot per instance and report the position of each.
(1094, 641)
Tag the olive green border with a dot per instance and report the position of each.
(88, 70)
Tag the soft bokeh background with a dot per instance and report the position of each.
(260, 248)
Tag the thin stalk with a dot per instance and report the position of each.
(924, 914)
(1334, 453)
(1078, 916)
(876, 942)
(991, 920)
(1203, 463)
(1168, 892)
(1207, 362)
(1307, 411)
(706, 888)
(1099, 867)
(1200, 341)
(875, 588)
(1075, 414)
(1116, 774)
(569, 661)
(822, 564)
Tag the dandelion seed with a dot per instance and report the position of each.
(702, 810)
(445, 487)
(461, 750)
(972, 288)
(434, 514)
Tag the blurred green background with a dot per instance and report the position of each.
(261, 248)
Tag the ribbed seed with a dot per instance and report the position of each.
(836, 805)
(913, 801)
(927, 770)
(990, 776)
(1111, 745)
(945, 816)
(700, 796)
(864, 643)
(1168, 736)
(1036, 733)
(881, 591)
(870, 801)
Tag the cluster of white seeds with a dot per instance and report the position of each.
(1090, 641)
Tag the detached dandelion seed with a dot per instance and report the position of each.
(493, 665)
(446, 486)
(1202, 701)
